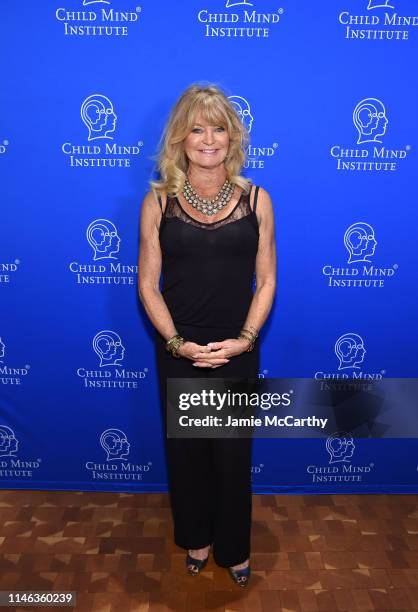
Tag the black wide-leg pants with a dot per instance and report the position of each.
(209, 479)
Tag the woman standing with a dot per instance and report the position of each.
(206, 229)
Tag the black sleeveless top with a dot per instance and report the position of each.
(208, 268)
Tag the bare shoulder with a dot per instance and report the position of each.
(153, 200)
(263, 197)
(264, 205)
(150, 210)
(150, 200)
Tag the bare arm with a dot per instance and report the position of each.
(149, 265)
(265, 265)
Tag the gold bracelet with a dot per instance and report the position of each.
(246, 336)
(252, 333)
(249, 335)
(250, 340)
(173, 345)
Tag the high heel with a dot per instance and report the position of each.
(241, 576)
(195, 566)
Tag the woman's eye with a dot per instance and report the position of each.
(220, 129)
(196, 130)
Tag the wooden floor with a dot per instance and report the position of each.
(310, 553)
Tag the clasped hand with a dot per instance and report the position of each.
(213, 354)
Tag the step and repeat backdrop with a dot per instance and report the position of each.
(329, 94)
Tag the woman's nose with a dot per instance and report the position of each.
(209, 137)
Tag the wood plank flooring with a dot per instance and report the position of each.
(310, 553)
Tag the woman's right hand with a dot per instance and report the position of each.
(191, 350)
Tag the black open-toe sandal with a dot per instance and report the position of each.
(241, 577)
(194, 566)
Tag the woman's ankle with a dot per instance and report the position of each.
(241, 565)
(199, 553)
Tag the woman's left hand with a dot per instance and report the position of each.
(221, 350)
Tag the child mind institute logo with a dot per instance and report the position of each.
(103, 238)
(243, 21)
(99, 18)
(370, 120)
(99, 117)
(10, 375)
(116, 447)
(340, 448)
(255, 155)
(379, 21)
(110, 351)
(369, 154)
(108, 346)
(102, 150)
(104, 242)
(10, 464)
(360, 242)
(350, 352)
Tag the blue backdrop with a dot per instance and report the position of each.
(329, 94)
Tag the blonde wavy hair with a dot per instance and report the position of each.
(212, 104)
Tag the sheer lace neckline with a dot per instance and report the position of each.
(213, 222)
(174, 209)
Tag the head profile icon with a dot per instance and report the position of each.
(115, 444)
(340, 447)
(2, 349)
(103, 238)
(242, 108)
(230, 3)
(370, 120)
(8, 442)
(350, 351)
(360, 242)
(108, 346)
(99, 116)
(373, 4)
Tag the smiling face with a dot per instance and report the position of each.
(206, 145)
